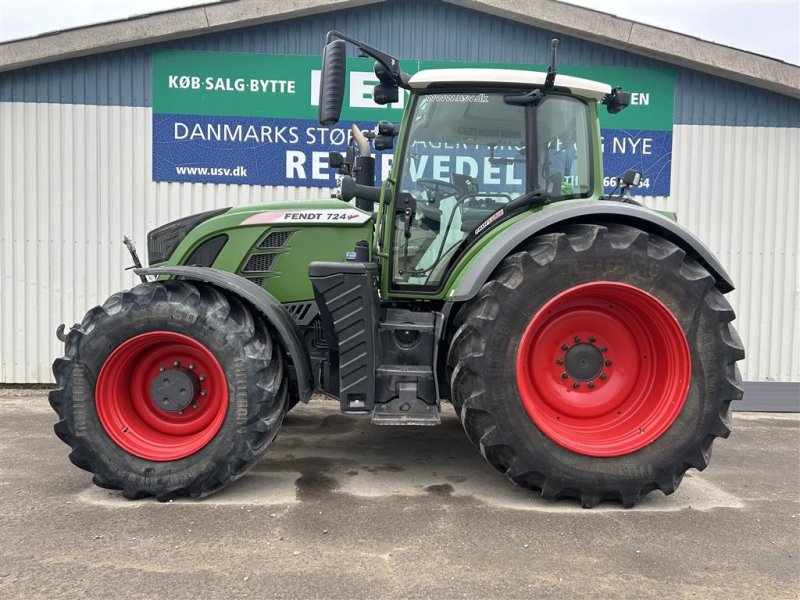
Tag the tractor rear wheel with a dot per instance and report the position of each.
(169, 389)
(599, 363)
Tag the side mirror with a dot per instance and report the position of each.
(332, 82)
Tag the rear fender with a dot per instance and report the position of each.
(265, 303)
(478, 269)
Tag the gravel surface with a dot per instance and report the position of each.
(339, 508)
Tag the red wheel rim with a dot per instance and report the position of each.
(603, 369)
(133, 417)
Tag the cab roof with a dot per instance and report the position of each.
(580, 87)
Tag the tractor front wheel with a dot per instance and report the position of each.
(169, 389)
(599, 363)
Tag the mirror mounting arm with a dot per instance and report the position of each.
(390, 63)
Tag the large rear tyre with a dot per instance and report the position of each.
(169, 389)
(599, 363)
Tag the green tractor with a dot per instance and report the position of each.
(583, 340)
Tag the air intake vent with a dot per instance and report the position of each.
(302, 312)
(259, 281)
(298, 310)
(260, 263)
(276, 239)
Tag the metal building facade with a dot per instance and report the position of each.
(76, 174)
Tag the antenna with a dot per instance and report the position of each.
(551, 70)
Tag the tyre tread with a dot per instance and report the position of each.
(466, 358)
(207, 301)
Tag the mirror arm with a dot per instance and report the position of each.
(390, 63)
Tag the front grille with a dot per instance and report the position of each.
(260, 263)
(276, 239)
(162, 241)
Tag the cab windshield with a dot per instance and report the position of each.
(466, 156)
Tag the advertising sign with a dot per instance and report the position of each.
(252, 118)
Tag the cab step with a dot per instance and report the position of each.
(406, 408)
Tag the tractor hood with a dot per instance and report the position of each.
(269, 244)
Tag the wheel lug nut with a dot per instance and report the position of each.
(559, 361)
(608, 363)
(195, 406)
(565, 347)
(576, 385)
(162, 369)
(203, 392)
(180, 412)
(592, 340)
(191, 366)
(176, 363)
(603, 376)
(564, 376)
(202, 378)
(603, 348)
(590, 384)
(577, 339)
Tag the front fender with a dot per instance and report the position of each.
(477, 269)
(265, 303)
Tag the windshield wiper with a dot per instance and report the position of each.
(533, 97)
(535, 197)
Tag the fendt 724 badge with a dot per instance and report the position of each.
(319, 216)
(583, 340)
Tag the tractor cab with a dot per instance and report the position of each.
(480, 147)
(475, 145)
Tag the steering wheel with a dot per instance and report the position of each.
(437, 189)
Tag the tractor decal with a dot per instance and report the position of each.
(325, 215)
(489, 221)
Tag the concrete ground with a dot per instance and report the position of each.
(339, 508)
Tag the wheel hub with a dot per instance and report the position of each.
(583, 362)
(172, 390)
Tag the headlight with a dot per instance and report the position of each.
(162, 241)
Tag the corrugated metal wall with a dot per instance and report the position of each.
(74, 179)
(737, 188)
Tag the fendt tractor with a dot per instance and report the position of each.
(582, 338)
